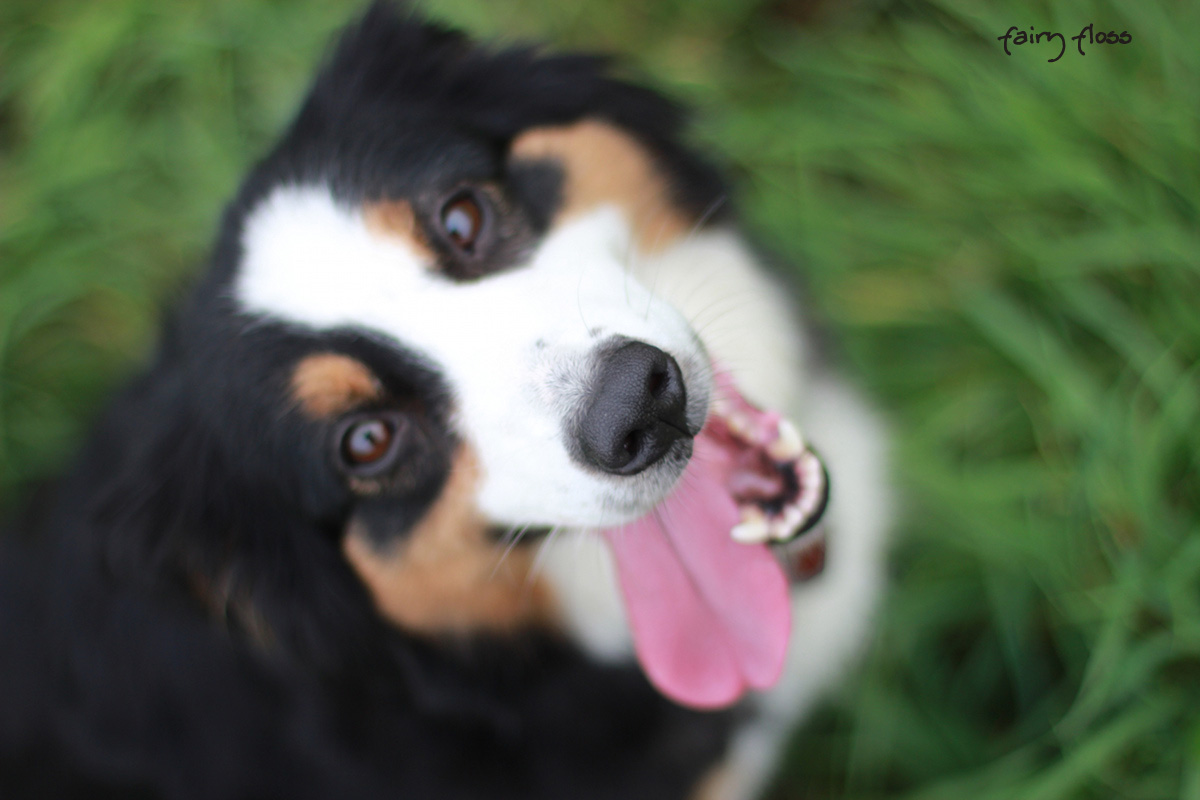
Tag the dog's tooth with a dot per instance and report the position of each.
(775, 530)
(812, 481)
(753, 528)
(785, 525)
(788, 445)
(755, 532)
(793, 517)
(812, 476)
(752, 513)
(740, 424)
(808, 504)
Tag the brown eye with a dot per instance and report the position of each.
(462, 219)
(367, 442)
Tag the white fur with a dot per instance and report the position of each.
(515, 347)
(581, 569)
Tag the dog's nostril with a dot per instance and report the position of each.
(638, 408)
(658, 381)
(631, 444)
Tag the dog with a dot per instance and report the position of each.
(464, 471)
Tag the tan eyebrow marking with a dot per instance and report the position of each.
(327, 384)
(396, 219)
(603, 164)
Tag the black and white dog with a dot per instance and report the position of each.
(463, 472)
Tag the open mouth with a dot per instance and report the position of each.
(707, 600)
(779, 485)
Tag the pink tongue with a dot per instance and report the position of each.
(710, 617)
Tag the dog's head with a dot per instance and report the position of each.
(451, 257)
(487, 213)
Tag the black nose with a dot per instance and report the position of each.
(637, 409)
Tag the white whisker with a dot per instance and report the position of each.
(539, 560)
(510, 540)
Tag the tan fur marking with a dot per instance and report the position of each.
(714, 785)
(602, 164)
(232, 606)
(327, 384)
(446, 576)
(395, 218)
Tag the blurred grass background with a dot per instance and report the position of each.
(1008, 248)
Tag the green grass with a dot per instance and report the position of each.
(1009, 250)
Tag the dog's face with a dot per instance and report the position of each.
(509, 268)
(465, 249)
(492, 216)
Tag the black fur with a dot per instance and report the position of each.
(116, 678)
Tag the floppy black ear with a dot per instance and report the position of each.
(162, 501)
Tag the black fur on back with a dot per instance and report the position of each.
(116, 678)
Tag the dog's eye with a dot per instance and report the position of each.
(462, 219)
(368, 444)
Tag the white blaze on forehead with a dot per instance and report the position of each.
(515, 347)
